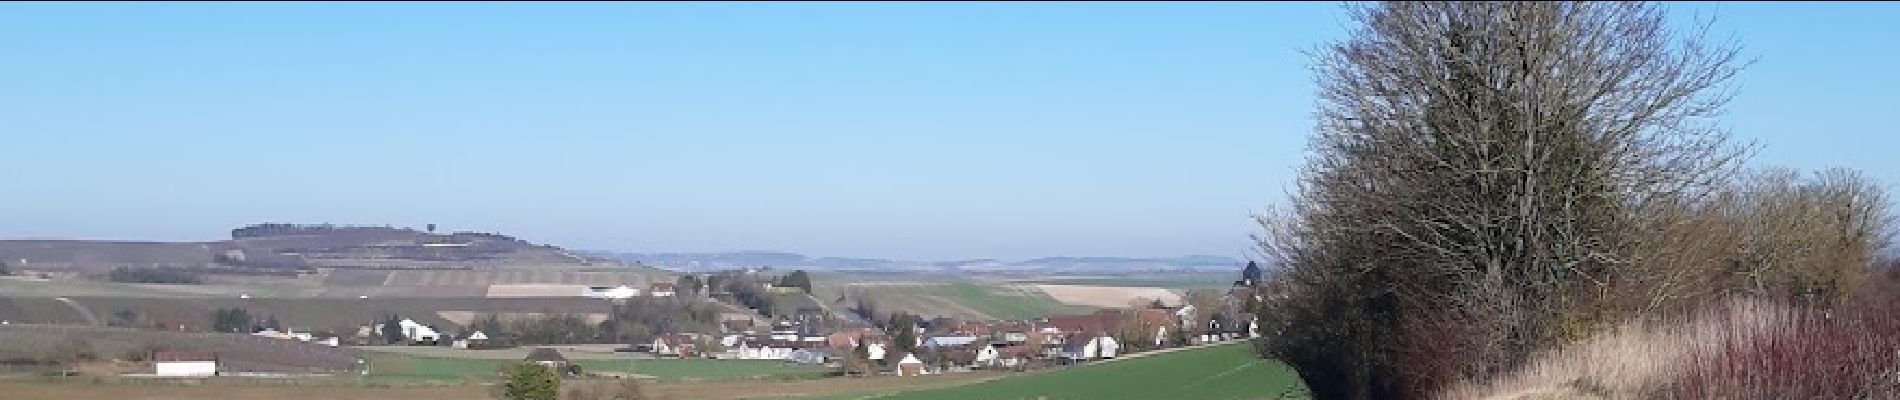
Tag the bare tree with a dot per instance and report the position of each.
(1477, 184)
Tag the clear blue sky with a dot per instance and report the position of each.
(883, 130)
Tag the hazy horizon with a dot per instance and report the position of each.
(925, 131)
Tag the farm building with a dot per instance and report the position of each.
(663, 289)
(184, 363)
(811, 356)
(411, 330)
(1089, 346)
(621, 292)
(761, 348)
(475, 339)
(548, 357)
(675, 345)
(1005, 356)
(910, 366)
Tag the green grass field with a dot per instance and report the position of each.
(1182, 280)
(402, 368)
(1218, 372)
(960, 298)
(1003, 301)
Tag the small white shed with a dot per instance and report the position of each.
(184, 363)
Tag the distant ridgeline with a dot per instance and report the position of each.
(272, 229)
(291, 247)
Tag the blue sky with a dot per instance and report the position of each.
(904, 130)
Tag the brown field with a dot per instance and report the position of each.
(81, 389)
(513, 277)
(26, 390)
(464, 318)
(341, 314)
(238, 352)
(1108, 296)
(535, 290)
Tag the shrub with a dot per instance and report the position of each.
(530, 381)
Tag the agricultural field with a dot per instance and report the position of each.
(342, 315)
(281, 287)
(74, 389)
(89, 388)
(1109, 296)
(1229, 371)
(500, 282)
(1180, 280)
(390, 367)
(237, 352)
(953, 298)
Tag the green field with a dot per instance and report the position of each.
(1182, 280)
(1000, 301)
(402, 368)
(1219, 372)
(955, 298)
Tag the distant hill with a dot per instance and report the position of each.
(743, 259)
(277, 246)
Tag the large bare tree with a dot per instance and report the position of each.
(1478, 183)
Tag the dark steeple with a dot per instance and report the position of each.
(1250, 276)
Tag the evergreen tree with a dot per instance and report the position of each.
(530, 381)
(392, 330)
(798, 279)
(231, 320)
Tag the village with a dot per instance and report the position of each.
(848, 341)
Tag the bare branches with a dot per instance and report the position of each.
(1488, 167)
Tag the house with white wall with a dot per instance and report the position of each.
(184, 363)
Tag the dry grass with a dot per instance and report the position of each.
(754, 389)
(34, 390)
(1745, 350)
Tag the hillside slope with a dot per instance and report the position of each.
(290, 247)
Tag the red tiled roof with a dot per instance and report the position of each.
(1082, 323)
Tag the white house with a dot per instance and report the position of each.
(621, 292)
(809, 356)
(874, 351)
(1185, 314)
(987, 355)
(418, 332)
(662, 289)
(676, 345)
(910, 366)
(1004, 357)
(760, 350)
(184, 363)
(1082, 347)
(475, 339)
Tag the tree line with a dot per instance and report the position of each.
(638, 320)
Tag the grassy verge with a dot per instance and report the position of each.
(1218, 372)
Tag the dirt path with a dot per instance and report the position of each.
(83, 311)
